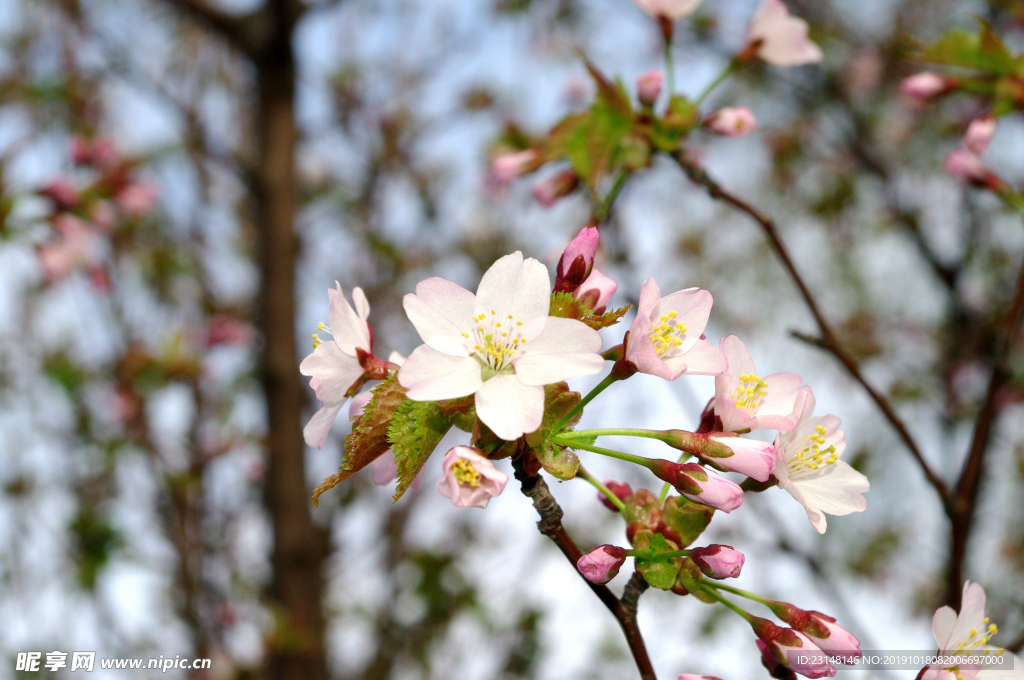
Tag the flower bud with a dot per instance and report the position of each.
(596, 291)
(601, 564)
(508, 166)
(775, 669)
(924, 86)
(793, 649)
(700, 484)
(648, 87)
(718, 561)
(620, 489)
(979, 134)
(751, 457)
(821, 629)
(731, 121)
(61, 193)
(469, 479)
(692, 676)
(555, 187)
(577, 261)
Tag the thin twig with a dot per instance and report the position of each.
(829, 339)
(550, 524)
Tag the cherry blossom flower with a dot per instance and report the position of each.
(666, 338)
(969, 632)
(700, 484)
(334, 365)
(549, 190)
(596, 291)
(648, 87)
(781, 38)
(601, 564)
(577, 260)
(746, 401)
(979, 134)
(924, 86)
(821, 629)
(731, 121)
(668, 9)
(137, 198)
(499, 344)
(718, 561)
(62, 193)
(77, 246)
(808, 467)
(792, 649)
(508, 166)
(469, 479)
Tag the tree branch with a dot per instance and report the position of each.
(550, 525)
(829, 339)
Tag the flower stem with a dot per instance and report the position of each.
(605, 208)
(1012, 199)
(615, 500)
(710, 590)
(670, 78)
(601, 387)
(744, 593)
(620, 431)
(628, 457)
(732, 66)
(660, 556)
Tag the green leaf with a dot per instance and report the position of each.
(680, 117)
(658, 573)
(982, 51)
(416, 430)
(369, 437)
(684, 520)
(557, 460)
(564, 305)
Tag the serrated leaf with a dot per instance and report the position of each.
(564, 305)
(658, 573)
(982, 51)
(369, 436)
(684, 520)
(416, 430)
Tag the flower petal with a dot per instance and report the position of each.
(361, 303)
(347, 328)
(442, 311)
(972, 613)
(565, 349)
(319, 426)
(518, 287)
(835, 490)
(693, 306)
(942, 627)
(430, 375)
(332, 370)
(384, 468)
(508, 407)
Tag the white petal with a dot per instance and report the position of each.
(510, 408)
(942, 627)
(835, 489)
(972, 612)
(430, 375)
(349, 331)
(565, 349)
(442, 311)
(332, 371)
(693, 307)
(518, 287)
(319, 426)
(704, 359)
(362, 304)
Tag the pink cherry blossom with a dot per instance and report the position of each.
(838, 641)
(549, 190)
(751, 457)
(731, 121)
(979, 134)
(924, 86)
(782, 38)
(718, 561)
(508, 166)
(601, 564)
(966, 165)
(62, 193)
(691, 676)
(577, 261)
(334, 366)
(808, 466)
(700, 484)
(792, 649)
(597, 290)
(76, 246)
(669, 9)
(469, 479)
(746, 401)
(137, 198)
(648, 87)
(499, 344)
(666, 338)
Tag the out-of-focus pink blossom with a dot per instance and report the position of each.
(137, 198)
(549, 190)
(781, 39)
(601, 564)
(648, 87)
(731, 121)
(508, 166)
(668, 9)
(979, 134)
(226, 330)
(469, 479)
(60, 191)
(924, 86)
(718, 561)
(103, 215)
(77, 246)
(963, 164)
(596, 291)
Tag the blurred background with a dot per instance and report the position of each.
(182, 180)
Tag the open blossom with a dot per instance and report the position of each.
(596, 291)
(669, 9)
(601, 564)
(577, 261)
(666, 338)
(969, 632)
(782, 39)
(731, 121)
(334, 365)
(499, 344)
(809, 468)
(469, 479)
(700, 485)
(746, 401)
(792, 649)
(718, 561)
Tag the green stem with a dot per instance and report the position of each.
(744, 593)
(628, 457)
(616, 501)
(1012, 199)
(605, 209)
(620, 431)
(732, 66)
(601, 387)
(710, 590)
(660, 556)
(670, 78)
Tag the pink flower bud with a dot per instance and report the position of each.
(793, 649)
(825, 633)
(601, 564)
(648, 87)
(549, 190)
(81, 150)
(620, 489)
(469, 479)
(731, 121)
(669, 9)
(979, 134)
(700, 484)
(963, 164)
(576, 262)
(61, 193)
(750, 457)
(692, 676)
(718, 561)
(924, 86)
(596, 291)
(508, 166)
(775, 669)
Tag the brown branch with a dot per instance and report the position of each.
(962, 505)
(550, 524)
(829, 339)
(1017, 644)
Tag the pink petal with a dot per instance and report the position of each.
(704, 359)
(347, 328)
(565, 349)
(510, 408)
(442, 311)
(333, 372)
(430, 375)
(319, 426)
(384, 468)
